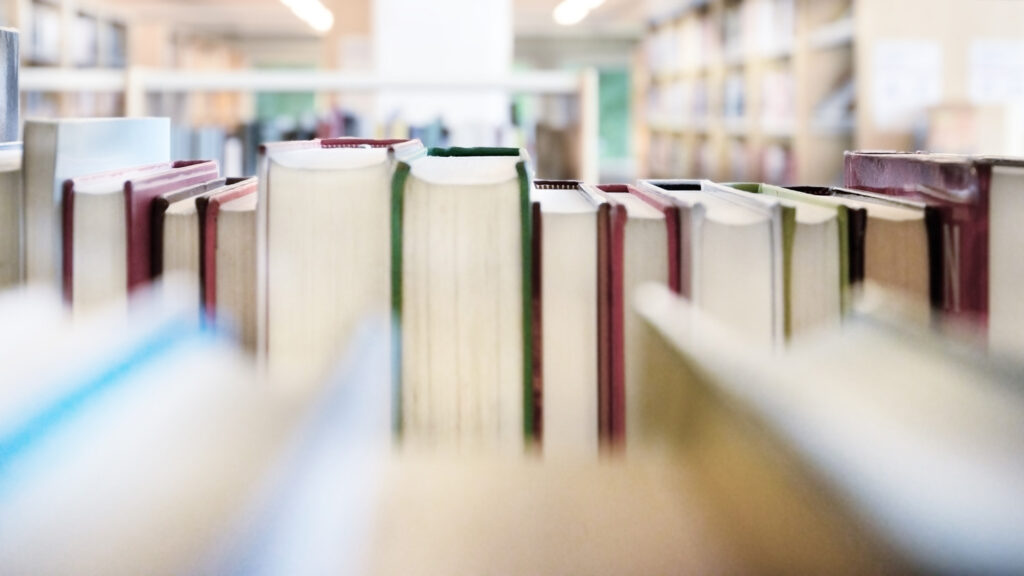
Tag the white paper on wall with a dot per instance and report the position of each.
(996, 71)
(907, 80)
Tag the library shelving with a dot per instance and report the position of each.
(748, 89)
(775, 90)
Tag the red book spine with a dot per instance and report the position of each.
(958, 222)
(605, 306)
(68, 217)
(617, 391)
(67, 240)
(139, 197)
(209, 210)
(672, 223)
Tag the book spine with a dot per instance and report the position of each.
(398, 182)
(617, 385)
(672, 224)
(957, 222)
(67, 241)
(538, 322)
(604, 320)
(526, 235)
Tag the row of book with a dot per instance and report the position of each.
(512, 321)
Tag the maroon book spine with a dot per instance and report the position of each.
(616, 395)
(208, 208)
(958, 224)
(139, 197)
(68, 216)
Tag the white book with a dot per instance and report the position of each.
(56, 150)
(324, 241)
(463, 310)
(569, 267)
(10, 215)
(730, 256)
(811, 259)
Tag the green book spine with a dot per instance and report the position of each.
(457, 152)
(788, 237)
(846, 293)
(397, 213)
(526, 234)
(526, 239)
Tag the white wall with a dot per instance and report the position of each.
(443, 39)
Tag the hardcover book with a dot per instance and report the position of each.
(731, 256)
(644, 248)
(462, 297)
(56, 150)
(108, 240)
(975, 238)
(571, 314)
(324, 242)
(10, 215)
(228, 259)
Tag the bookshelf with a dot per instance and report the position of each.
(731, 89)
(776, 90)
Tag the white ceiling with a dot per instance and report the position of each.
(271, 18)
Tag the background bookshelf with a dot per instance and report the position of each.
(733, 89)
(776, 90)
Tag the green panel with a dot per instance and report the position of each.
(614, 129)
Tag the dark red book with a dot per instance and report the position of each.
(975, 237)
(209, 208)
(652, 256)
(160, 205)
(107, 227)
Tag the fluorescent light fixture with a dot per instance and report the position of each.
(312, 12)
(569, 12)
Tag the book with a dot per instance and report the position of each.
(572, 360)
(730, 256)
(462, 297)
(644, 248)
(168, 223)
(324, 241)
(975, 239)
(10, 98)
(878, 448)
(813, 263)
(228, 259)
(56, 150)
(888, 243)
(10, 215)
(107, 234)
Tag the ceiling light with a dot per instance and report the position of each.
(312, 12)
(569, 12)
